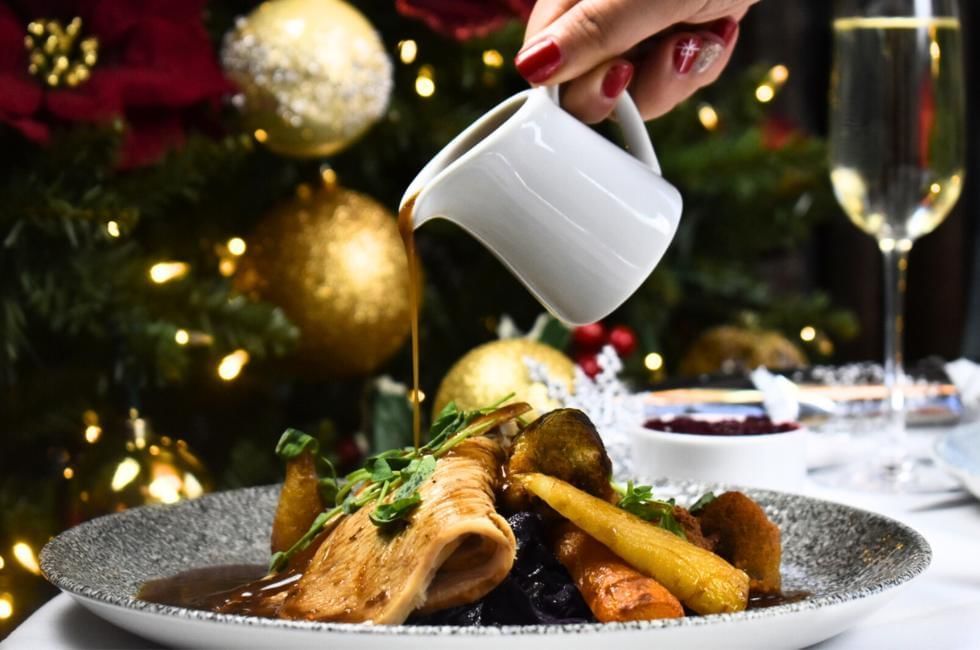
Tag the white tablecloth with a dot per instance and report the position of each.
(940, 609)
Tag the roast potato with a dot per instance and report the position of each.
(565, 444)
(743, 535)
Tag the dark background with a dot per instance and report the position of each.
(943, 308)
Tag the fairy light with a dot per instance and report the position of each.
(708, 117)
(765, 93)
(163, 272)
(6, 606)
(260, 135)
(112, 229)
(493, 59)
(182, 337)
(126, 471)
(407, 51)
(3, 562)
(935, 188)
(425, 85)
(808, 333)
(236, 246)
(68, 473)
(92, 433)
(779, 74)
(653, 362)
(227, 267)
(231, 366)
(24, 554)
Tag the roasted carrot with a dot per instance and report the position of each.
(299, 502)
(612, 589)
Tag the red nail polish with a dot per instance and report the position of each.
(724, 29)
(686, 53)
(616, 80)
(537, 62)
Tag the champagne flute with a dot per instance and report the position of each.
(897, 159)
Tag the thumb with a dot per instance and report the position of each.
(591, 32)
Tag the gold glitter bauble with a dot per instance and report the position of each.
(730, 349)
(313, 74)
(495, 369)
(150, 469)
(335, 263)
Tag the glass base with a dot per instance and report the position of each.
(889, 477)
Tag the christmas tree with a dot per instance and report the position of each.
(196, 217)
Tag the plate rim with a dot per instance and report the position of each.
(53, 570)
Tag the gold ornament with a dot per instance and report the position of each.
(53, 56)
(730, 349)
(314, 75)
(150, 469)
(491, 371)
(335, 263)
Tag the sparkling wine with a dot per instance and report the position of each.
(897, 133)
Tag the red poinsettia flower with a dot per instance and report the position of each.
(154, 62)
(465, 19)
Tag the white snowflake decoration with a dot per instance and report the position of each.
(608, 402)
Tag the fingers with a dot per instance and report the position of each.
(681, 64)
(581, 35)
(592, 96)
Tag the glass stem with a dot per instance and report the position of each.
(895, 454)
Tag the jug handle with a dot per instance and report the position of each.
(634, 129)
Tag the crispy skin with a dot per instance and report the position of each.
(299, 502)
(454, 550)
(746, 538)
(613, 590)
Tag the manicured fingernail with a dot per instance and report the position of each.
(709, 54)
(616, 80)
(686, 53)
(538, 61)
(724, 29)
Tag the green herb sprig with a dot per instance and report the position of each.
(392, 478)
(638, 500)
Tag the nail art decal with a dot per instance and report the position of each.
(709, 54)
(686, 53)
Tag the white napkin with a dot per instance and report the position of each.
(780, 396)
(965, 375)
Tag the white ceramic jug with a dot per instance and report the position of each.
(576, 218)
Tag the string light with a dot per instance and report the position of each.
(227, 267)
(3, 562)
(236, 246)
(260, 135)
(425, 85)
(25, 556)
(231, 366)
(653, 362)
(407, 51)
(708, 116)
(765, 93)
(493, 59)
(779, 74)
(68, 473)
(126, 471)
(163, 272)
(112, 229)
(808, 333)
(6, 605)
(92, 433)
(182, 337)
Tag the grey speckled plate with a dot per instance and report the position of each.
(851, 561)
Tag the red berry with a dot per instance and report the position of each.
(589, 364)
(623, 338)
(348, 453)
(589, 337)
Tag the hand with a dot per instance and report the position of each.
(663, 50)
